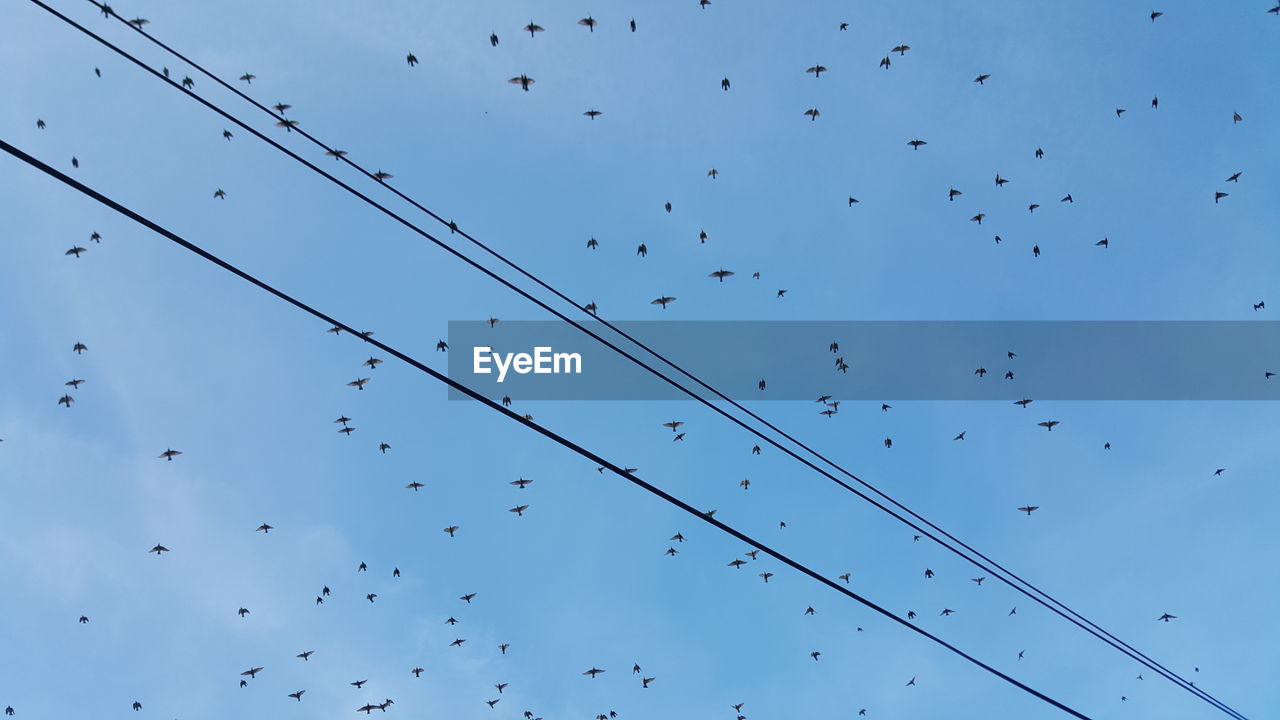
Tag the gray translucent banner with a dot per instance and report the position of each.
(876, 360)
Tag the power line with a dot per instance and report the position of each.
(565, 442)
(994, 568)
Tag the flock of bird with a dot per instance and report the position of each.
(830, 405)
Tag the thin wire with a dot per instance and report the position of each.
(1094, 630)
(37, 164)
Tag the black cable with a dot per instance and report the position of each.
(1094, 630)
(33, 162)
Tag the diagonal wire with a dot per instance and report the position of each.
(145, 222)
(1069, 614)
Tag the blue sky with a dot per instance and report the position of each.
(184, 356)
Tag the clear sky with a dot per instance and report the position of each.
(183, 356)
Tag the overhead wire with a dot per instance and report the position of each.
(995, 569)
(494, 405)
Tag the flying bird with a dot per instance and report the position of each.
(662, 301)
(297, 695)
(531, 28)
(169, 454)
(524, 81)
(158, 549)
(915, 145)
(812, 113)
(593, 114)
(411, 59)
(817, 70)
(721, 274)
(589, 23)
(594, 671)
(1048, 424)
(1028, 509)
(981, 78)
